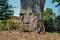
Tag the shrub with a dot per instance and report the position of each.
(2, 24)
(13, 23)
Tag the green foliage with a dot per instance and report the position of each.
(58, 1)
(4, 24)
(6, 10)
(13, 23)
(49, 19)
(58, 21)
(48, 14)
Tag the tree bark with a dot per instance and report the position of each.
(32, 6)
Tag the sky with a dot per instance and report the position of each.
(15, 3)
(48, 4)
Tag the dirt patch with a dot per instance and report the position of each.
(5, 35)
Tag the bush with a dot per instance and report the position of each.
(4, 24)
(13, 24)
(49, 25)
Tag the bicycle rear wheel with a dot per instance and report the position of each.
(41, 28)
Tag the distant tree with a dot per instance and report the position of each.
(48, 13)
(57, 5)
(49, 19)
(58, 1)
(58, 21)
(6, 10)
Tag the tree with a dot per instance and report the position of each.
(6, 10)
(40, 4)
(58, 5)
(34, 4)
(35, 8)
(58, 22)
(49, 19)
(58, 1)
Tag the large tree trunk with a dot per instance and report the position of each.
(42, 3)
(32, 7)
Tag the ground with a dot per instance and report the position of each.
(5, 35)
